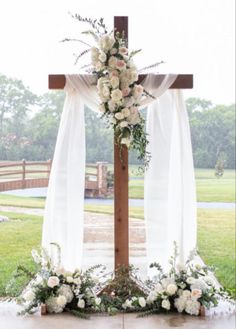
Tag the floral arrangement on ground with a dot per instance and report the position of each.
(184, 288)
(117, 83)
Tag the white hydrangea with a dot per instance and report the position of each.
(180, 303)
(151, 297)
(52, 305)
(192, 307)
(66, 291)
(61, 301)
(199, 284)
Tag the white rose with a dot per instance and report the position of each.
(129, 101)
(142, 301)
(112, 62)
(114, 82)
(125, 112)
(81, 303)
(125, 91)
(61, 300)
(29, 296)
(102, 57)
(116, 95)
(196, 293)
(128, 303)
(137, 91)
(165, 304)
(106, 42)
(134, 76)
(171, 289)
(98, 301)
(123, 51)
(120, 64)
(113, 73)
(190, 280)
(53, 281)
(106, 91)
(101, 82)
(134, 119)
(124, 83)
(124, 124)
(69, 279)
(119, 116)
(186, 293)
(112, 106)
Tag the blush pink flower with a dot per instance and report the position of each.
(120, 64)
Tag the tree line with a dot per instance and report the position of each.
(29, 125)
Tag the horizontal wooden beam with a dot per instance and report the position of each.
(183, 81)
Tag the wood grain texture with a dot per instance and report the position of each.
(183, 81)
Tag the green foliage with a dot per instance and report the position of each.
(212, 131)
(29, 125)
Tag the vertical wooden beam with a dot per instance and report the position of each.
(121, 202)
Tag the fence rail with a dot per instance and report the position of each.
(32, 174)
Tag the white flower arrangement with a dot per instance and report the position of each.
(117, 84)
(184, 288)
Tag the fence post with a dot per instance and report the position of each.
(23, 174)
(49, 165)
(102, 178)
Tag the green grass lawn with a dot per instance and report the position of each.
(216, 231)
(209, 188)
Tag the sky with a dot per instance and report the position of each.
(191, 36)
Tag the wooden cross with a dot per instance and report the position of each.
(121, 178)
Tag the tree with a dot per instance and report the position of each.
(16, 101)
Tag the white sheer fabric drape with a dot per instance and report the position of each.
(169, 188)
(64, 212)
(169, 181)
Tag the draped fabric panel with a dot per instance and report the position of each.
(169, 181)
(64, 211)
(169, 188)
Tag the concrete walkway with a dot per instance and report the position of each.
(9, 320)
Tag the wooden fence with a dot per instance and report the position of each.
(32, 174)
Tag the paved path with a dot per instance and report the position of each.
(9, 320)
